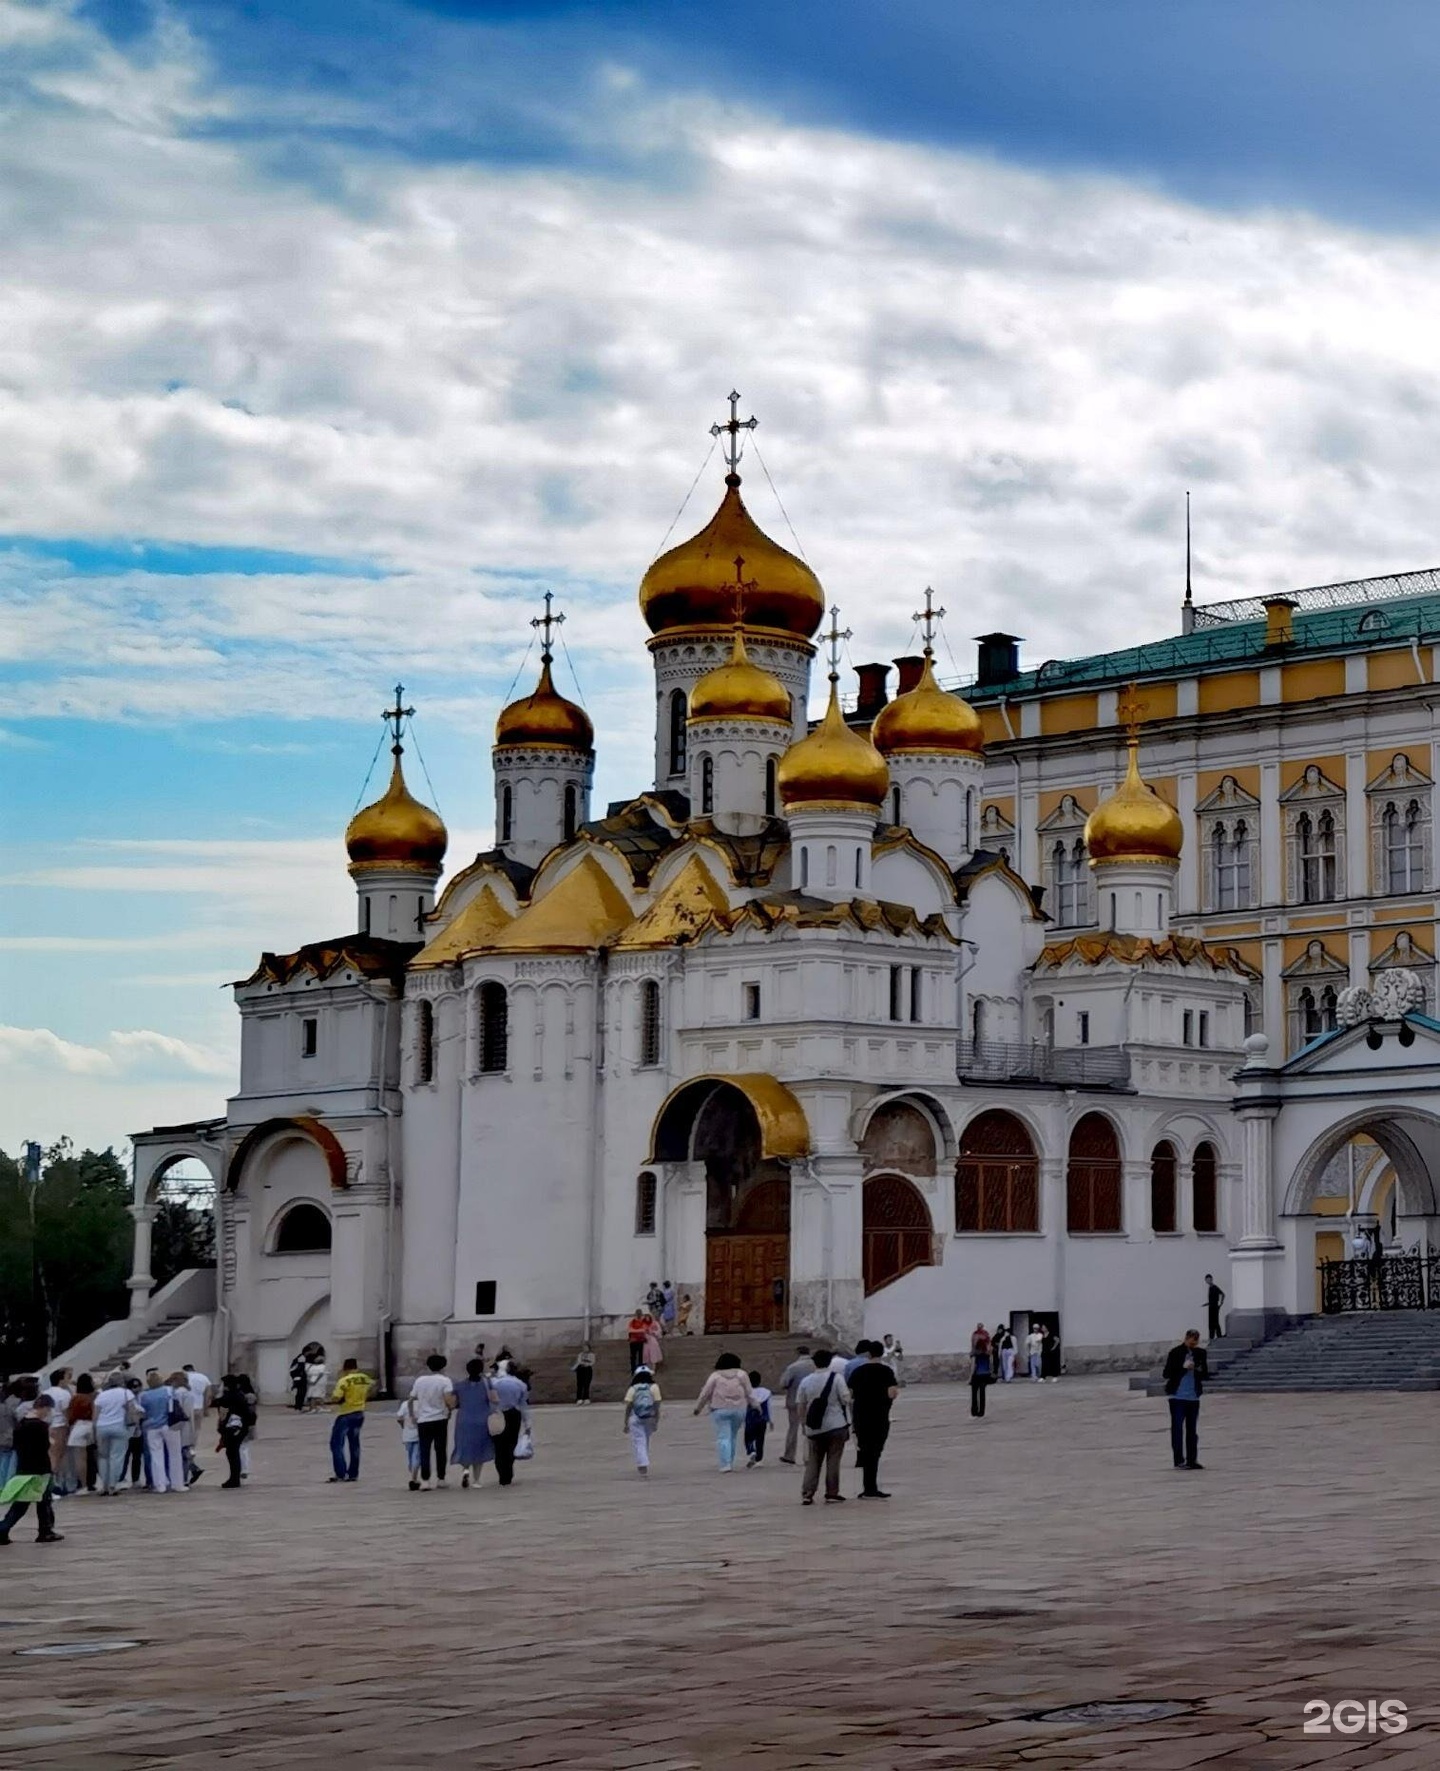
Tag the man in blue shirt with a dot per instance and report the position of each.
(1186, 1370)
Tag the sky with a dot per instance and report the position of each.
(331, 335)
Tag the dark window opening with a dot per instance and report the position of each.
(304, 1229)
(309, 1037)
(494, 1028)
(645, 1191)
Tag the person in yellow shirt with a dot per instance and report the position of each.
(351, 1393)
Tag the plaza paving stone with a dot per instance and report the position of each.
(1044, 1557)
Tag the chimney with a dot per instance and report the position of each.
(872, 696)
(910, 669)
(999, 660)
(1280, 621)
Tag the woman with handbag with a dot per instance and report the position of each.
(478, 1421)
(115, 1415)
(162, 1414)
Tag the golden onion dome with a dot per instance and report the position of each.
(544, 717)
(928, 718)
(397, 831)
(833, 765)
(1134, 823)
(693, 585)
(738, 689)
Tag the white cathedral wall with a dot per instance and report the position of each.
(898, 877)
(430, 1133)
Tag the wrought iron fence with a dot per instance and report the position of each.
(1384, 1282)
(1076, 1066)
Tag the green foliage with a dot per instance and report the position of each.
(65, 1249)
(181, 1238)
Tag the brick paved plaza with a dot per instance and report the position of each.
(1046, 1557)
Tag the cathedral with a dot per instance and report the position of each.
(783, 1028)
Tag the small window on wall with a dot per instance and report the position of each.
(750, 1002)
(1205, 1180)
(894, 805)
(309, 1037)
(897, 992)
(645, 1205)
(678, 712)
(649, 1022)
(915, 987)
(485, 1296)
(1187, 1027)
(507, 813)
(770, 787)
(1082, 1026)
(572, 812)
(494, 1029)
(424, 1042)
(304, 1229)
(1202, 1034)
(707, 786)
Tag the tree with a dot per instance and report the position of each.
(182, 1237)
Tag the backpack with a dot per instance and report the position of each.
(643, 1406)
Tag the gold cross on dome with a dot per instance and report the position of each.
(733, 427)
(834, 639)
(928, 616)
(743, 586)
(548, 622)
(1130, 710)
(396, 716)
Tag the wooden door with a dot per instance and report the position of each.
(740, 1275)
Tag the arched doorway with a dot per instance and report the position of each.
(897, 1230)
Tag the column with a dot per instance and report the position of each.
(827, 1284)
(1357, 831)
(1135, 1202)
(140, 1280)
(1257, 1260)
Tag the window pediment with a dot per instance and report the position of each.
(1317, 961)
(1068, 815)
(1314, 784)
(1228, 796)
(1399, 776)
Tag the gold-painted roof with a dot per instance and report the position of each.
(784, 1129)
(1183, 950)
(693, 585)
(544, 717)
(397, 831)
(928, 718)
(833, 765)
(1134, 823)
(580, 911)
(690, 901)
(476, 926)
(740, 689)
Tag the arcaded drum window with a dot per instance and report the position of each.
(424, 1042)
(707, 786)
(572, 811)
(1204, 1177)
(770, 787)
(678, 711)
(1092, 1178)
(649, 1022)
(1163, 1169)
(997, 1178)
(645, 1205)
(494, 1040)
(507, 811)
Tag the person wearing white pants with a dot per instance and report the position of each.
(642, 1414)
(167, 1469)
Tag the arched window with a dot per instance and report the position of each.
(707, 786)
(804, 868)
(649, 1022)
(832, 864)
(1163, 1170)
(1231, 864)
(997, 1177)
(645, 1191)
(1315, 839)
(507, 813)
(770, 787)
(494, 1031)
(304, 1229)
(1402, 842)
(678, 712)
(424, 1042)
(1068, 870)
(1204, 1175)
(969, 817)
(572, 811)
(1092, 1178)
(896, 1227)
(859, 868)
(894, 805)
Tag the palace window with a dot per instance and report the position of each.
(1402, 841)
(494, 1030)
(679, 710)
(507, 813)
(645, 1191)
(707, 786)
(649, 1022)
(1163, 1172)
(1317, 1011)
(1205, 1178)
(571, 816)
(1231, 865)
(1313, 812)
(997, 1177)
(1093, 1178)
(1070, 882)
(1315, 845)
(424, 1042)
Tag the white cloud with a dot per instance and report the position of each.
(140, 1049)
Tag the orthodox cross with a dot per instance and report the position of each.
(835, 639)
(1131, 712)
(548, 622)
(733, 427)
(928, 616)
(396, 716)
(742, 586)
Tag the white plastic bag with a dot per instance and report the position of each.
(524, 1446)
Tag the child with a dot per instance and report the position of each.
(317, 1377)
(410, 1440)
(31, 1484)
(642, 1414)
(757, 1419)
(584, 1369)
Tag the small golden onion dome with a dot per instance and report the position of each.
(544, 717)
(928, 718)
(1134, 823)
(832, 766)
(397, 831)
(738, 689)
(693, 585)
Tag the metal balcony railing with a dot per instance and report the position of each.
(1079, 1066)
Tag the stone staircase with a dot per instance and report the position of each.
(134, 1350)
(688, 1361)
(1370, 1350)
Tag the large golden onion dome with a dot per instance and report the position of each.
(397, 831)
(693, 585)
(544, 717)
(1134, 823)
(926, 719)
(738, 689)
(833, 766)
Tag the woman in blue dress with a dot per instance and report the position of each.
(474, 1401)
